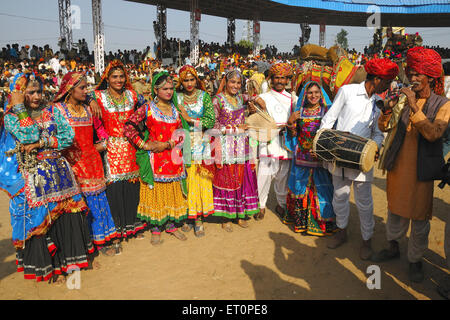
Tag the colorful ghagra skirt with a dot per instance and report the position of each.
(101, 223)
(200, 195)
(60, 242)
(235, 202)
(163, 203)
(309, 201)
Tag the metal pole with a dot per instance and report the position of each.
(99, 36)
(69, 25)
(162, 21)
(179, 53)
(195, 49)
(256, 34)
(322, 34)
(231, 31)
(62, 19)
(65, 22)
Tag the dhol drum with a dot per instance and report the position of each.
(345, 149)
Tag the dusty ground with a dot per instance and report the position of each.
(265, 261)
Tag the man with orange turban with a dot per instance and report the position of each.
(414, 158)
(355, 110)
(281, 69)
(275, 160)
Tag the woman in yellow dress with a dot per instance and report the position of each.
(197, 109)
(162, 192)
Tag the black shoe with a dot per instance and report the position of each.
(444, 291)
(416, 272)
(287, 219)
(385, 255)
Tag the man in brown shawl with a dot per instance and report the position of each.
(414, 157)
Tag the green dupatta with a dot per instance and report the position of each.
(142, 156)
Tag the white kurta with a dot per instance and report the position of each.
(275, 159)
(279, 106)
(355, 112)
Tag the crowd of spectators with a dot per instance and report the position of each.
(214, 57)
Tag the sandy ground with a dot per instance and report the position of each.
(266, 261)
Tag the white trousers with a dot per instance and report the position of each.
(273, 169)
(397, 227)
(364, 203)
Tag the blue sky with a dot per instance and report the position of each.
(130, 26)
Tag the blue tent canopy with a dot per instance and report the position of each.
(385, 6)
(404, 13)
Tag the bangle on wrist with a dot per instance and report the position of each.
(19, 109)
(141, 144)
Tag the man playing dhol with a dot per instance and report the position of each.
(355, 111)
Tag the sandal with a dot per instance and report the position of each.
(140, 236)
(156, 239)
(118, 248)
(108, 251)
(199, 230)
(243, 223)
(95, 265)
(260, 215)
(227, 226)
(59, 280)
(177, 234)
(186, 227)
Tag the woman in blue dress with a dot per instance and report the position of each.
(48, 214)
(310, 189)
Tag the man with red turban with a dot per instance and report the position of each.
(414, 158)
(355, 110)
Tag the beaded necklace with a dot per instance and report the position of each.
(192, 98)
(117, 104)
(231, 99)
(77, 113)
(311, 111)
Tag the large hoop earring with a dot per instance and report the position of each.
(156, 100)
(66, 99)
